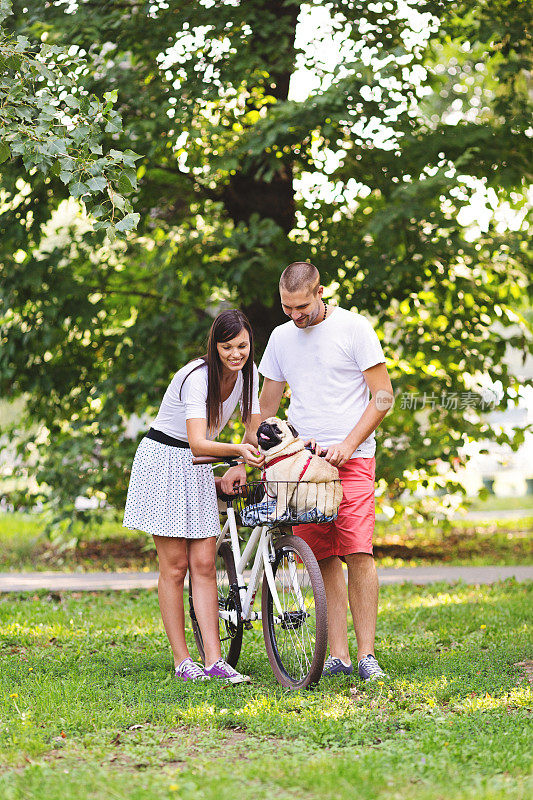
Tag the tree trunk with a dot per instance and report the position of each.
(246, 194)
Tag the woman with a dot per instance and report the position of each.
(175, 500)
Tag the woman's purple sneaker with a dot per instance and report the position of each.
(187, 670)
(221, 669)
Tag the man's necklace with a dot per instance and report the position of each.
(325, 311)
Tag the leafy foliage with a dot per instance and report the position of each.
(56, 128)
(371, 176)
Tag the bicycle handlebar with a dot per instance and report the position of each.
(232, 461)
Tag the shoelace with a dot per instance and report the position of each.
(331, 661)
(371, 665)
(221, 664)
(191, 670)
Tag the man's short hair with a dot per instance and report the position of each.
(299, 277)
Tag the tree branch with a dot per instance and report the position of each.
(132, 292)
(147, 295)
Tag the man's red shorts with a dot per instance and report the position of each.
(352, 531)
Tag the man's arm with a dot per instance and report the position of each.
(382, 399)
(270, 397)
(250, 430)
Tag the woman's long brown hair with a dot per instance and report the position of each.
(226, 326)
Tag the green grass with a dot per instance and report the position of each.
(462, 543)
(25, 547)
(89, 709)
(495, 503)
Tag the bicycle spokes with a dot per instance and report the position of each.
(293, 633)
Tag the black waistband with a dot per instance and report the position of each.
(164, 438)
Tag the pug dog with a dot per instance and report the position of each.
(314, 482)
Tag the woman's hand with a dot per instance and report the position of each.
(251, 455)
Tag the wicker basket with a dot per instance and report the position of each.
(287, 502)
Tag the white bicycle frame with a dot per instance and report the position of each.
(261, 537)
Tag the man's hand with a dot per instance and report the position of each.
(339, 454)
(234, 477)
(315, 447)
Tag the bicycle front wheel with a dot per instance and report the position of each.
(228, 601)
(295, 640)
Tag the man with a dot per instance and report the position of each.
(333, 361)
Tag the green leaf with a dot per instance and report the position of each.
(99, 211)
(129, 158)
(97, 184)
(78, 189)
(124, 184)
(117, 199)
(80, 133)
(58, 147)
(128, 223)
(5, 152)
(71, 101)
(113, 127)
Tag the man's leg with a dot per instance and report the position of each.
(355, 525)
(335, 586)
(322, 541)
(363, 590)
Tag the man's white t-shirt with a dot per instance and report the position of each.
(174, 412)
(324, 365)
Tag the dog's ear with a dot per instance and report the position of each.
(292, 430)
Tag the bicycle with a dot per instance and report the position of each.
(293, 599)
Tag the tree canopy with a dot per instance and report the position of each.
(188, 112)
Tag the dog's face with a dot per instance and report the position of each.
(274, 431)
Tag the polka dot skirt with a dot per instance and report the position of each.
(169, 496)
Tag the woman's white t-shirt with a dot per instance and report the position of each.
(174, 412)
(323, 365)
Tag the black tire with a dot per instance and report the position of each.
(296, 646)
(228, 599)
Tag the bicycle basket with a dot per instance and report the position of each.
(288, 502)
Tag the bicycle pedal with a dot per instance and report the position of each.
(248, 625)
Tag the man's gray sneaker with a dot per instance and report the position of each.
(334, 666)
(369, 668)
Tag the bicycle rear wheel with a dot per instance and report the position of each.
(296, 640)
(228, 600)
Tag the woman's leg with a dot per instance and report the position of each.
(172, 554)
(202, 554)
